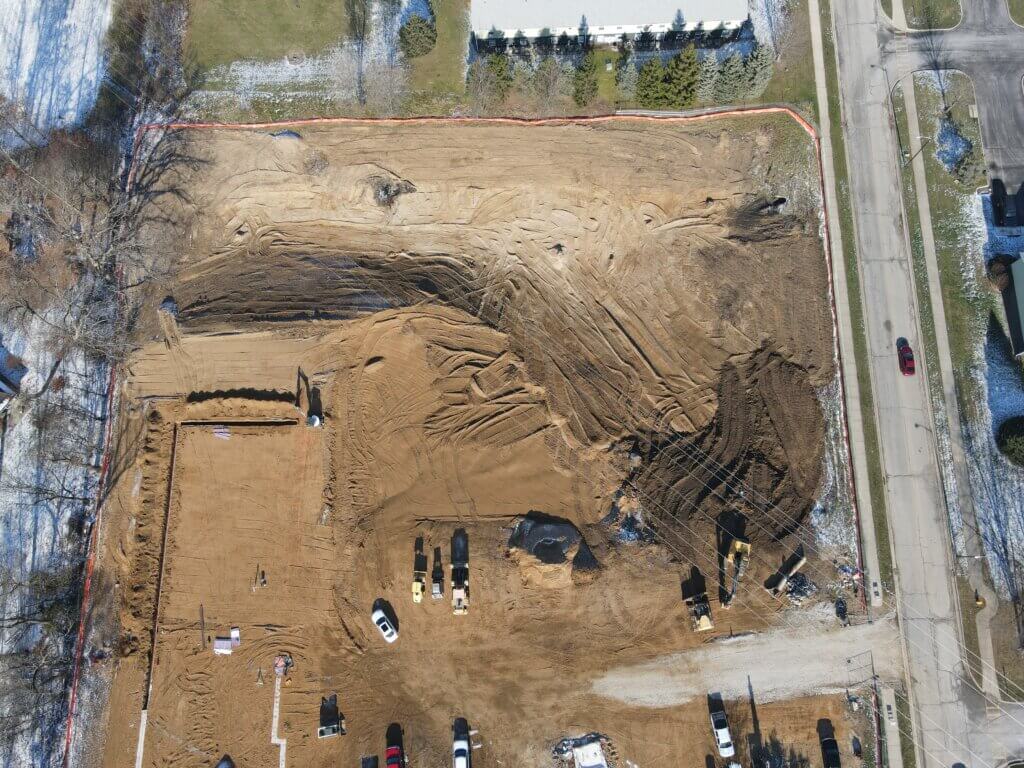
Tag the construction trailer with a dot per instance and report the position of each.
(589, 755)
(460, 572)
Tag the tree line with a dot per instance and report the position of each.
(688, 78)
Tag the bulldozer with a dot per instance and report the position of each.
(737, 556)
(700, 612)
(419, 581)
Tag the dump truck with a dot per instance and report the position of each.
(460, 572)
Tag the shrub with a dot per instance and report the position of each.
(1010, 439)
(417, 37)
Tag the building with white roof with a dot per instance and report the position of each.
(605, 21)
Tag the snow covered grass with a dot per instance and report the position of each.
(221, 32)
(298, 75)
(51, 59)
(951, 146)
(832, 516)
(48, 484)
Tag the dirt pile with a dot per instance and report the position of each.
(551, 552)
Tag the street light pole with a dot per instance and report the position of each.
(924, 143)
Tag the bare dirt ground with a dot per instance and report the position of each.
(579, 320)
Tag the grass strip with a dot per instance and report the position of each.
(906, 729)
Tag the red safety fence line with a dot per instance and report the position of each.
(90, 564)
(327, 121)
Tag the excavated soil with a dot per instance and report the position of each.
(577, 320)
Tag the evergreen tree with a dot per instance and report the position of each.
(650, 85)
(759, 70)
(497, 66)
(626, 80)
(417, 37)
(708, 79)
(585, 81)
(732, 78)
(681, 78)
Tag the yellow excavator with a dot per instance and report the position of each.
(737, 557)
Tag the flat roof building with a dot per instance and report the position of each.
(606, 20)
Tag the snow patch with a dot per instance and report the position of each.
(52, 60)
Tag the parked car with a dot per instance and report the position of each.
(723, 739)
(905, 357)
(393, 757)
(387, 629)
(829, 745)
(460, 743)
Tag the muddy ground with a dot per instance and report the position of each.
(617, 325)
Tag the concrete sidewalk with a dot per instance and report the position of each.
(869, 542)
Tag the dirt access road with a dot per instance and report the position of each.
(621, 326)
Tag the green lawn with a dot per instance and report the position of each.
(906, 728)
(793, 79)
(932, 14)
(222, 31)
(1016, 10)
(442, 71)
(967, 310)
(607, 91)
(887, 7)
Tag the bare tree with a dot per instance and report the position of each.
(37, 621)
(386, 87)
(358, 13)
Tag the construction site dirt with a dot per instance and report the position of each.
(382, 332)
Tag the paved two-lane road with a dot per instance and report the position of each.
(946, 713)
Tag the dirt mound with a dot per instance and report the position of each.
(663, 291)
(551, 552)
(761, 454)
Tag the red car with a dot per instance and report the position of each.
(905, 356)
(393, 757)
